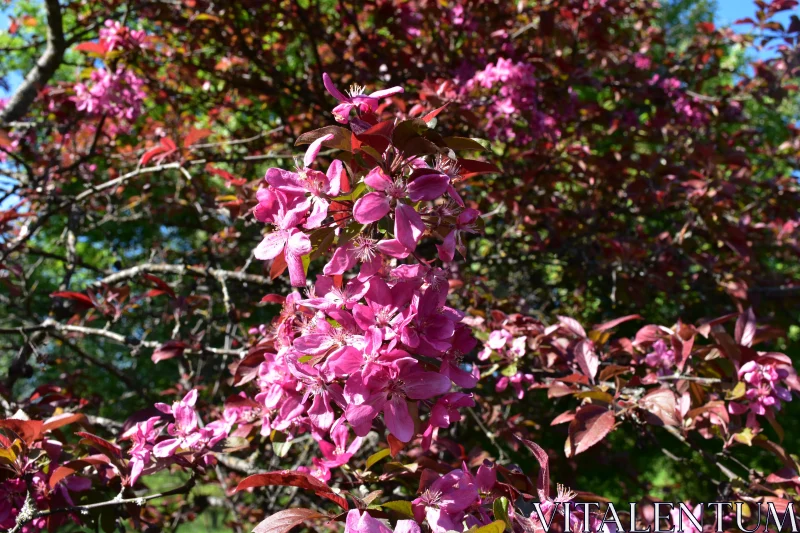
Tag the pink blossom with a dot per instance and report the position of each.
(356, 99)
(119, 94)
(764, 389)
(444, 502)
(114, 35)
(387, 390)
(662, 357)
(447, 409)
(186, 431)
(465, 223)
(143, 437)
(339, 452)
(364, 523)
(681, 519)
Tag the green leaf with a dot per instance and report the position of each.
(349, 233)
(498, 526)
(279, 444)
(466, 143)
(500, 509)
(400, 507)
(737, 392)
(510, 370)
(321, 240)
(377, 456)
(234, 444)
(406, 130)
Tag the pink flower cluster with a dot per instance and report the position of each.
(343, 356)
(511, 350)
(765, 381)
(114, 35)
(350, 349)
(13, 491)
(687, 107)
(118, 94)
(364, 523)
(186, 439)
(511, 105)
(662, 357)
(448, 501)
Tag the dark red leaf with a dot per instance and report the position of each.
(165, 147)
(647, 334)
(473, 167)
(395, 445)
(587, 358)
(227, 176)
(168, 144)
(278, 266)
(195, 135)
(77, 296)
(289, 478)
(341, 138)
(572, 325)
(168, 350)
(150, 154)
(746, 328)
(62, 420)
(378, 136)
(591, 424)
(563, 418)
(616, 322)
(661, 403)
(544, 467)
(430, 115)
(283, 521)
(28, 430)
(92, 48)
(66, 470)
(153, 293)
(463, 143)
(235, 400)
(160, 283)
(93, 440)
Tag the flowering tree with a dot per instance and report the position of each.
(348, 342)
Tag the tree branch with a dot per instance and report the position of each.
(205, 272)
(131, 342)
(44, 69)
(25, 517)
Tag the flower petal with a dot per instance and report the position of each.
(428, 187)
(424, 385)
(314, 148)
(408, 226)
(371, 208)
(377, 179)
(271, 246)
(336, 177)
(398, 421)
(336, 93)
(343, 259)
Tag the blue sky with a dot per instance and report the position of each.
(729, 11)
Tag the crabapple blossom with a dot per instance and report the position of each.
(356, 522)
(765, 389)
(355, 99)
